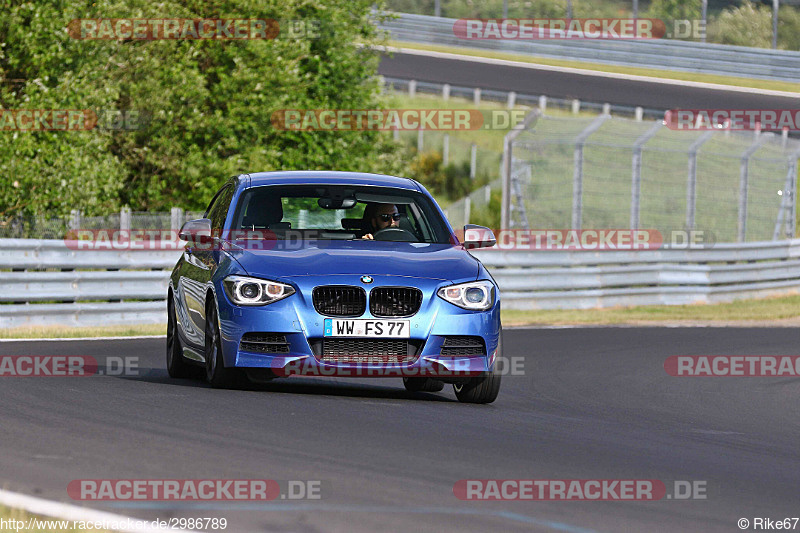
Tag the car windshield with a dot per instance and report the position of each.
(327, 212)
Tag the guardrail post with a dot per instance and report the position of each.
(412, 88)
(476, 96)
(542, 103)
(125, 219)
(577, 170)
(467, 209)
(606, 109)
(744, 186)
(576, 106)
(446, 92)
(691, 184)
(446, 149)
(396, 135)
(512, 99)
(175, 219)
(473, 160)
(420, 140)
(636, 172)
(639, 114)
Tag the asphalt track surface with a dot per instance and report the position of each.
(593, 403)
(591, 88)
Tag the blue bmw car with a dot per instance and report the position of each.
(333, 274)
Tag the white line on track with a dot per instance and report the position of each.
(59, 339)
(65, 511)
(587, 72)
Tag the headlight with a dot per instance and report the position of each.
(251, 291)
(476, 295)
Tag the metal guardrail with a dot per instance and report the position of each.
(726, 60)
(78, 289)
(588, 279)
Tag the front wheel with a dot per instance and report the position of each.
(483, 389)
(177, 367)
(216, 374)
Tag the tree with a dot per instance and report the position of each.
(208, 102)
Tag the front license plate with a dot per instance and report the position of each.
(336, 327)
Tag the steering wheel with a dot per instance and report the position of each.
(394, 234)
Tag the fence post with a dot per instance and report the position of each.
(412, 88)
(639, 114)
(476, 96)
(508, 143)
(606, 109)
(636, 173)
(786, 213)
(125, 219)
(473, 160)
(577, 170)
(744, 185)
(175, 219)
(576, 106)
(543, 103)
(446, 149)
(691, 184)
(75, 219)
(446, 92)
(512, 99)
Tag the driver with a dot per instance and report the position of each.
(378, 217)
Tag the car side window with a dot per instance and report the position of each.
(219, 206)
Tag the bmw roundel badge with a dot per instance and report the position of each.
(366, 279)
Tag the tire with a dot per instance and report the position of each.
(177, 366)
(483, 389)
(217, 375)
(422, 385)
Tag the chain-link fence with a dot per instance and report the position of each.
(610, 172)
(59, 227)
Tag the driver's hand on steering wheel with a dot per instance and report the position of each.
(368, 236)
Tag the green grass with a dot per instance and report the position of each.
(742, 312)
(50, 332)
(656, 73)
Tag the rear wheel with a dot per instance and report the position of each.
(422, 385)
(216, 373)
(177, 367)
(483, 389)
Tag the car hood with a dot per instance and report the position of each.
(287, 259)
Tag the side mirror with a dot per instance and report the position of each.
(197, 231)
(478, 237)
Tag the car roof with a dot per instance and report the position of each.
(330, 177)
